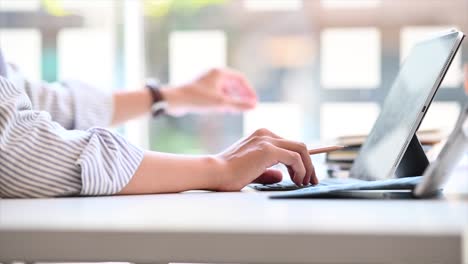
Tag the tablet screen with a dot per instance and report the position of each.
(403, 107)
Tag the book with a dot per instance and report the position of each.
(343, 159)
(426, 137)
(342, 155)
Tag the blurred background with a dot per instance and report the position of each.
(321, 68)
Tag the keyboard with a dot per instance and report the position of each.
(289, 186)
(333, 185)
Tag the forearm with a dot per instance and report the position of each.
(130, 104)
(169, 173)
(216, 90)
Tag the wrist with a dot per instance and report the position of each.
(216, 169)
(167, 93)
(174, 98)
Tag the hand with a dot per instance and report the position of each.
(221, 90)
(250, 159)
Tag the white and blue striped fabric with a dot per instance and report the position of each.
(40, 156)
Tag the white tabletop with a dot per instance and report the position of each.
(232, 227)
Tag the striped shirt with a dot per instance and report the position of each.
(50, 144)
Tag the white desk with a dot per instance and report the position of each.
(232, 227)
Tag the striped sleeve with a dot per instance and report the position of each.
(72, 104)
(39, 158)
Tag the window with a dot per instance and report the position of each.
(23, 5)
(441, 115)
(411, 35)
(284, 119)
(273, 5)
(194, 52)
(339, 119)
(350, 58)
(23, 48)
(350, 3)
(289, 51)
(78, 50)
(320, 68)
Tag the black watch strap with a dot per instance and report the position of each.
(158, 105)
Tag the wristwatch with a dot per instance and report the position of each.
(159, 104)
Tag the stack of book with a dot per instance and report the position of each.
(342, 160)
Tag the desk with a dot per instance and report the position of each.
(242, 227)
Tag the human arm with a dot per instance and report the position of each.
(246, 161)
(218, 90)
(72, 104)
(78, 105)
(39, 158)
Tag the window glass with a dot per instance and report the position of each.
(315, 65)
(349, 3)
(272, 5)
(411, 35)
(192, 53)
(284, 119)
(442, 116)
(78, 58)
(340, 119)
(22, 47)
(350, 58)
(19, 5)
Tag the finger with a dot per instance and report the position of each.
(235, 98)
(263, 132)
(237, 104)
(247, 90)
(246, 87)
(300, 148)
(235, 85)
(269, 176)
(292, 159)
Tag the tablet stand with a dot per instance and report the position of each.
(414, 161)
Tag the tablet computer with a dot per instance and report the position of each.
(405, 106)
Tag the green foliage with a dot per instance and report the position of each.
(159, 8)
(172, 140)
(154, 8)
(54, 7)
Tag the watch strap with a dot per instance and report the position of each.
(158, 104)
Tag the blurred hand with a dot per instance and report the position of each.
(219, 90)
(250, 159)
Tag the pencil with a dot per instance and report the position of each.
(324, 149)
